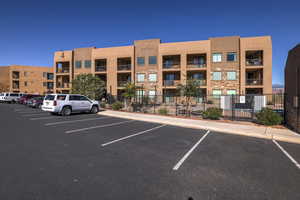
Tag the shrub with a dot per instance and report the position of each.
(117, 105)
(163, 111)
(210, 102)
(268, 117)
(102, 104)
(212, 113)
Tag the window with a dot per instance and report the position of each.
(74, 98)
(25, 83)
(140, 92)
(61, 97)
(44, 84)
(217, 76)
(217, 57)
(152, 93)
(83, 98)
(152, 60)
(87, 64)
(217, 93)
(153, 77)
(78, 64)
(231, 92)
(45, 74)
(50, 97)
(140, 61)
(231, 76)
(50, 76)
(140, 77)
(231, 57)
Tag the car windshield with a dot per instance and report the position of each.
(50, 97)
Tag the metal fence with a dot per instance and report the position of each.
(234, 107)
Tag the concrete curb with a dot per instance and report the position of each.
(235, 129)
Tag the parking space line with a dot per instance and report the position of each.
(101, 126)
(73, 121)
(40, 118)
(130, 136)
(287, 154)
(37, 114)
(181, 161)
(31, 112)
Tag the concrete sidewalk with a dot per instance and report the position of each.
(285, 135)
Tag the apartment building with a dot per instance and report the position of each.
(225, 65)
(26, 79)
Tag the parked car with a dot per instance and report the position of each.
(23, 99)
(66, 104)
(35, 102)
(10, 97)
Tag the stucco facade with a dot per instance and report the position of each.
(226, 65)
(27, 79)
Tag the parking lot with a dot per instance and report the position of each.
(89, 156)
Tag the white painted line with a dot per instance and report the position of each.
(31, 112)
(32, 115)
(287, 154)
(176, 167)
(130, 136)
(40, 118)
(101, 126)
(73, 121)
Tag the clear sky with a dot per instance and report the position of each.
(32, 30)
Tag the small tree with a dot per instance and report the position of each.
(130, 92)
(189, 90)
(88, 85)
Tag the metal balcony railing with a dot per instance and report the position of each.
(254, 82)
(62, 71)
(254, 62)
(124, 67)
(123, 83)
(63, 85)
(171, 82)
(100, 68)
(196, 65)
(170, 65)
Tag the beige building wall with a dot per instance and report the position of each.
(182, 50)
(4, 79)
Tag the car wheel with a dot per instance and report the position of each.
(94, 110)
(66, 111)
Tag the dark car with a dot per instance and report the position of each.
(26, 97)
(35, 102)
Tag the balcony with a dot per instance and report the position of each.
(124, 64)
(100, 65)
(196, 60)
(63, 67)
(16, 85)
(15, 75)
(171, 62)
(254, 82)
(254, 58)
(123, 83)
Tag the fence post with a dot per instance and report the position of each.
(232, 107)
(176, 105)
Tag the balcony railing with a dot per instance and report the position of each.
(254, 82)
(63, 85)
(174, 65)
(16, 76)
(125, 67)
(100, 68)
(62, 71)
(254, 62)
(196, 65)
(123, 83)
(171, 82)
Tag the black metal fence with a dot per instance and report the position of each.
(234, 107)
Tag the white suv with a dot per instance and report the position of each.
(10, 97)
(66, 104)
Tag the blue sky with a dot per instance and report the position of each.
(32, 30)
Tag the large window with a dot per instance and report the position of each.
(231, 92)
(217, 57)
(231, 76)
(217, 93)
(140, 77)
(152, 60)
(140, 61)
(87, 64)
(78, 64)
(217, 76)
(152, 93)
(231, 57)
(153, 77)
